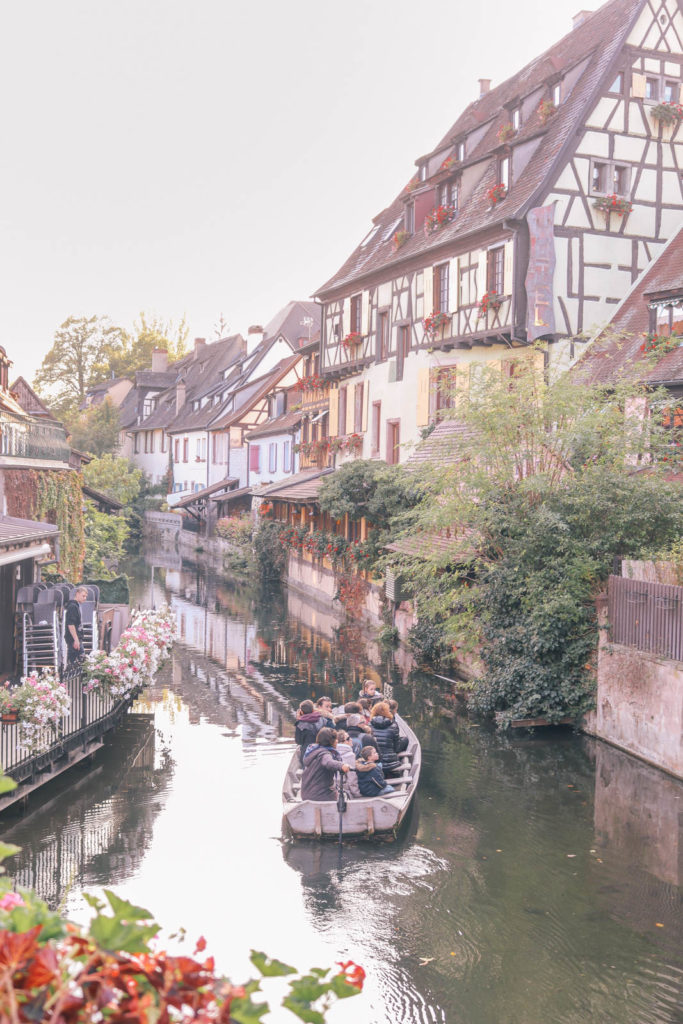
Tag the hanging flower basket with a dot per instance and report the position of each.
(449, 163)
(613, 204)
(432, 324)
(354, 444)
(505, 132)
(667, 113)
(352, 340)
(438, 218)
(489, 301)
(497, 193)
(399, 239)
(546, 109)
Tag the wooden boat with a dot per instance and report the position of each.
(366, 817)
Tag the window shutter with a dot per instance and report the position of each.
(357, 408)
(508, 281)
(365, 313)
(428, 289)
(638, 83)
(422, 418)
(346, 317)
(254, 458)
(481, 275)
(334, 411)
(365, 398)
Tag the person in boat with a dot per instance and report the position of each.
(366, 708)
(322, 765)
(348, 756)
(371, 691)
(389, 741)
(324, 708)
(359, 732)
(309, 722)
(370, 775)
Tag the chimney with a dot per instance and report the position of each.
(254, 338)
(179, 395)
(199, 346)
(159, 360)
(579, 18)
(484, 86)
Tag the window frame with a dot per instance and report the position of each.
(272, 457)
(440, 287)
(610, 169)
(393, 454)
(495, 269)
(358, 398)
(343, 405)
(505, 171)
(383, 335)
(356, 313)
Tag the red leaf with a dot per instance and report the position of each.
(43, 968)
(17, 947)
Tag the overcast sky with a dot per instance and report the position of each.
(202, 157)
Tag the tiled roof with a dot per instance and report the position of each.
(279, 425)
(440, 546)
(287, 322)
(228, 496)
(446, 442)
(155, 378)
(206, 492)
(617, 351)
(254, 391)
(29, 401)
(100, 498)
(299, 487)
(19, 531)
(596, 42)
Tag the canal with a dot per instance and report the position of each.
(538, 880)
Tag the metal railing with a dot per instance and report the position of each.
(91, 714)
(648, 616)
(30, 439)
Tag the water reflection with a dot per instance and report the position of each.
(539, 883)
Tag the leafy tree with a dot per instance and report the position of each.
(149, 333)
(115, 476)
(105, 542)
(81, 355)
(96, 430)
(539, 486)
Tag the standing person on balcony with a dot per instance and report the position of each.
(73, 627)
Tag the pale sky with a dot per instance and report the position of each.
(201, 157)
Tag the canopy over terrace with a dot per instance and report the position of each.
(24, 546)
(198, 502)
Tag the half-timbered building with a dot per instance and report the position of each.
(528, 222)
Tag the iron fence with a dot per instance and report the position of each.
(646, 615)
(90, 715)
(29, 439)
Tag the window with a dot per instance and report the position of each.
(342, 410)
(404, 340)
(617, 85)
(599, 177)
(671, 91)
(136, 448)
(651, 88)
(151, 442)
(445, 381)
(358, 409)
(356, 313)
(383, 335)
(393, 441)
(164, 442)
(556, 93)
(199, 449)
(516, 118)
(287, 457)
(447, 194)
(620, 179)
(148, 407)
(441, 298)
(186, 449)
(254, 458)
(410, 218)
(376, 422)
(272, 457)
(609, 176)
(422, 172)
(504, 171)
(460, 151)
(176, 450)
(495, 262)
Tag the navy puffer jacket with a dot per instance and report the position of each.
(389, 743)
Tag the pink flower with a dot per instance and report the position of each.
(11, 900)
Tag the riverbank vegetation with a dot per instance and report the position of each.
(529, 499)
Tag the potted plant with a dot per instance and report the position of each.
(352, 340)
(505, 132)
(546, 109)
(497, 193)
(400, 238)
(449, 163)
(490, 300)
(434, 322)
(667, 112)
(660, 344)
(438, 218)
(613, 204)
(9, 704)
(354, 444)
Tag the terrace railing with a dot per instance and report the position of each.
(648, 616)
(30, 439)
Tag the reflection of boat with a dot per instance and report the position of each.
(365, 817)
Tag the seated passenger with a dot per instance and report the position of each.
(389, 740)
(360, 733)
(366, 708)
(323, 706)
(371, 691)
(309, 722)
(348, 756)
(393, 707)
(322, 764)
(370, 775)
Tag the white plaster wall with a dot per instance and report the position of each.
(153, 464)
(265, 475)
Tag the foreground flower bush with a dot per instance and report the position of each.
(143, 647)
(39, 704)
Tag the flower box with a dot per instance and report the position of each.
(490, 301)
(497, 193)
(667, 112)
(660, 344)
(434, 323)
(505, 132)
(399, 239)
(613, 204)
(438, 218)
(546, 109)
(8, 717)
(449, 163)
(352, 340)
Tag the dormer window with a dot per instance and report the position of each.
(410, 218)
(460, 150)
(447, 194)
(556, 94)
(504, 175)
(422, 172)
(516, 118)
(196, 405)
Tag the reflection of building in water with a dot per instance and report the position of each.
(91, 833)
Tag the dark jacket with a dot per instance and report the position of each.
(359, 737)
(321, 765)
(389, 743)
(306, 729)
(370, 777)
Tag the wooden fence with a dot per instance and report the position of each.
(646, 615)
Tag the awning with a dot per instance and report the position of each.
(191, 499)
(21, 554)
(241, 492)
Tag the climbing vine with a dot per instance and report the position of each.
(59, 500)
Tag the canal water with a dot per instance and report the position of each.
(538, 880)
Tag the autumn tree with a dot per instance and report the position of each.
(148, 333)
(83, 353)
(96, 429)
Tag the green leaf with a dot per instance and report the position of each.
(126, 911)
(303, 1011)
(341, 987)
(8, 850)
(244, 1011)
(270, 968)
(7, 784)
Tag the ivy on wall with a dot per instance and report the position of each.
(59, 500)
